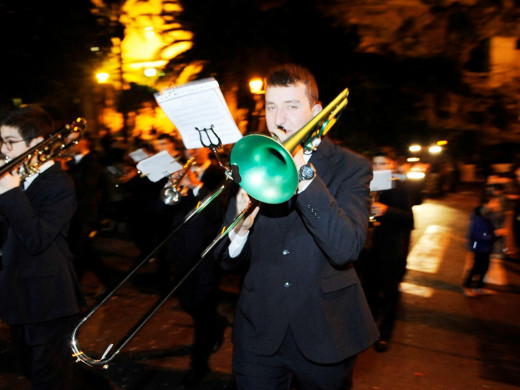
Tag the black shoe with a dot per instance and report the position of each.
(193, 377)
(381, 346)
(219, 336)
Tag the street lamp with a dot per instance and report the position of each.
(256, 86)
(102, 77)
(257, 119)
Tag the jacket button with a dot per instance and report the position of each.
(285, 252)
(287, 285)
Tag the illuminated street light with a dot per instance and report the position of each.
(415, 148)
(102, 77)
(150, 72)
(256, 86)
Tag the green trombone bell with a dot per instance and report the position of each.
(267, 170)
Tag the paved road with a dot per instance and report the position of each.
(442, 339)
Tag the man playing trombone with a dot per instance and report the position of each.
(40, 297)
(302, 314)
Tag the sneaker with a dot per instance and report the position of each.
(470, 293)
(483, 291)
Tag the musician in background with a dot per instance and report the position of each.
(198, 295)
(301, 312)
(167, 142)
(384, 260)
(40, 297)
(86, 171)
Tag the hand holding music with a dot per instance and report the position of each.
(378, 209)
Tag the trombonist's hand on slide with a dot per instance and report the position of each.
(242, 201)
(8, 182)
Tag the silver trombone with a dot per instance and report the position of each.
(265, 169)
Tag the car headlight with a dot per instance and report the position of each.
(415, 175)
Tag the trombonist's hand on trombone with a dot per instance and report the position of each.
(242, 201)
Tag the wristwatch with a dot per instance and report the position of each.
(306, 172)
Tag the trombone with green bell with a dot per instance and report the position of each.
(265, 169)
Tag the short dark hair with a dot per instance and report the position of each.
(290, 74)
(167, 136)
(31, 122)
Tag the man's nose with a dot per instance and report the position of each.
(280, 118)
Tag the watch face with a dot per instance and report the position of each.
(306, 172)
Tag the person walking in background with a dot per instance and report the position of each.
(301, 314)
(86, 171)
(198, 295)
(40, 297)
(384, 259)
(481, 237)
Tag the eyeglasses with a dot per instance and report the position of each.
(9, 143)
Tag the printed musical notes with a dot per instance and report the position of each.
(197, 106)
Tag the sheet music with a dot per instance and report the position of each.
(382, 180)
(158, 166)
(138, 155)
(199, 104)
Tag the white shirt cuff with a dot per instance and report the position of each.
(237, 243)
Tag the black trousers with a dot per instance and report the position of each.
(288, 365)
(479, 269)
(198, 296)
(44, 353)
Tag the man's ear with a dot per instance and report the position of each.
(316, 109)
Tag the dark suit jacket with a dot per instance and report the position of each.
(189, 242)
(38, 283)
(86, 175)
(391, 238)
(300, 272)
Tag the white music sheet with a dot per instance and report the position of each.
(199, 105)
(382, 180)
(158, 166)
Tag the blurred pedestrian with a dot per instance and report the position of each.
(481, 236)
(384, 260)
(40, 297)
(301, 313)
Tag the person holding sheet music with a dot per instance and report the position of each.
(384, 260)
(301, 314)
(198, 295)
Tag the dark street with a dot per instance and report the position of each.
(442, 340)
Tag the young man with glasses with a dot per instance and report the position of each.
(39, 295)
